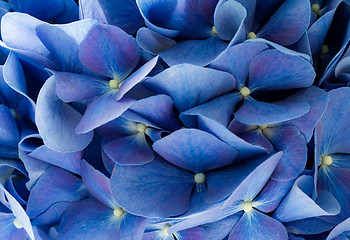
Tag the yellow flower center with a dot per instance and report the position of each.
(326, 161)
(213, 31)
(115, 84)
(118, 212)
(251, 35)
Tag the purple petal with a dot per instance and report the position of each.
(102, 110)
(181, 84)
(56, 121)
(109, 51)
(76, 87)
(130, 150)
(195, 150)
(155, 189)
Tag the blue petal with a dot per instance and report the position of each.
(220, 229)
(136, 77)
(309, 226)
(129, 150)
(62, 41)
(245, 149)
(109, 51)
(236, 60)
(126, 15)
(14, 76)
(101, 110)
(181, 83)
(227, 181)
(219, 109)
(153, 42)
(8, 229)
(257, 113)
(158, 110)
(288, 23)
(91, 218)
(292, 72)
(228, 17)
(155, 189)
(56, 121)
(317, 99)
(298, 205)
(256, 225)
(17, 211)
(195, 150)
(10, 134)
(289, 140)
(97, 184)
(342, 227)
(197, 52)
(334, 123)
(45, 11)
(49, 191)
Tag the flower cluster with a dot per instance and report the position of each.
(175, 120)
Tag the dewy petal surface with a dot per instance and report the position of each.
(155, 189)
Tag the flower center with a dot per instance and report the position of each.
(165, 229)
(118, 212)
(247, 206)
(199, 178)
(326, 161)
(325, 49)
(141, 127)
(262, 127)
(213, 31)
(115, 84)
(316, 8)
(17, 223)
(251, 35)
(244, 91)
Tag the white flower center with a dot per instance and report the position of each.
(17, 223)
(199, 178)
(115, 84)
(118, 212)
(141, 127)
(326, 161)
(244, 91)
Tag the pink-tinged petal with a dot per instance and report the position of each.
(109, 51)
